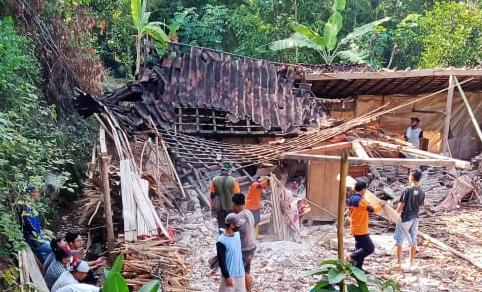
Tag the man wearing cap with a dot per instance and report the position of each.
(247, 235)
(230, 257)
(32, 226)
(223, 187)
(414, 133)
(78, 274)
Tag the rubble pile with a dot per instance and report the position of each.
(276, 266)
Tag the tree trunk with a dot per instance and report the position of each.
(138, 55)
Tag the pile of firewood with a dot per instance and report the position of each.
(156, 259)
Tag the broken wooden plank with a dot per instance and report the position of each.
(34, 271)
(359, 150)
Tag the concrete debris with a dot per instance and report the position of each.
(276, 266)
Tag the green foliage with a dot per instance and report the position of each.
(34, 143)
(204, 27)
(334, 273)
(451, 36)
(114, 34)
(328, 45)
(254, 24)
(9, 279)
(18, 70)
(151, 286)
(115, 282)
(140, 19)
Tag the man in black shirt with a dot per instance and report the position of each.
(412, 198)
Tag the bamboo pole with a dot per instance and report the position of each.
(341, 204)
(341, 210)
(469, 108)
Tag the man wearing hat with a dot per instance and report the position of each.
(32, 226)
(229, 255)
(77, 275)
(223, 187)
(414, 133)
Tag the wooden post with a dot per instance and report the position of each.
(341, 205)
(448, 115)
(104, 169)
(469, 108)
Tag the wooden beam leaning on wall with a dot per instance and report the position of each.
(469, 108)
(448, 116)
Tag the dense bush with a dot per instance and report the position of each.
(33, 143)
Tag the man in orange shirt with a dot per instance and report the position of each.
(223, 187)
(360, 211)
(253, 198)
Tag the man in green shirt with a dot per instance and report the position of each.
(223, 187)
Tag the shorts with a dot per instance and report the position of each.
(256, 215)
(247, 257)
(407, 230)
(239, 285)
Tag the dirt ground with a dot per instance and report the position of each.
(282, 265)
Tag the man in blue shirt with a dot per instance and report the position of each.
(230, 257)
(32, 227)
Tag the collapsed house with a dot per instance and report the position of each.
(194, 108)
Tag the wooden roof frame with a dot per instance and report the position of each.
(380, 83)
(359, 147)
(393, 74)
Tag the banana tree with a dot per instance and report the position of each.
(327, 45)
(154, 29)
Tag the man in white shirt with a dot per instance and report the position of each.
(414, 133)
(79, 288)
(79, 273)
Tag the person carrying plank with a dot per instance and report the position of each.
(223, 187)
(360, 210)
(411, 200)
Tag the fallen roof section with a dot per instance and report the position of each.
(412, 82)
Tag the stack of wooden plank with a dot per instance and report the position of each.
(30, 274)
(147, 260)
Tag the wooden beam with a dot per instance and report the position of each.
(393, 74)
(448, 115)
(104, 167)
(373, 161)
(469, 108)
(359, 150)
(103, 145)
(420, 153)
(329, 147)
(34, 271)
